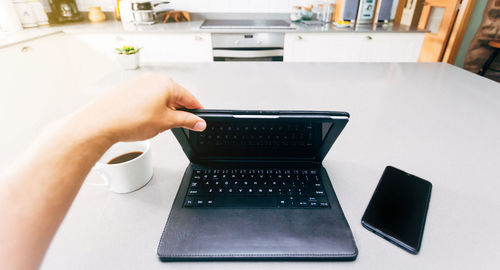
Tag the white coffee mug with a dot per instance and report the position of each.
(130, 175)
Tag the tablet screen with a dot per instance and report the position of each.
(259, 138)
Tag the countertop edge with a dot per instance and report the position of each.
(116, 27)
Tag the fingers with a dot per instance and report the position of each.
(184, 99)
(185, 120)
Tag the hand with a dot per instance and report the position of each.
(36, 194)
(142, 108)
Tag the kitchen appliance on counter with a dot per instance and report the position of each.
(366, 10)
(350, 10)
(383, 12)
(248, 47)
(362, 11)
(144, 12)
(65, 11)
(25, 13)
(137, 12)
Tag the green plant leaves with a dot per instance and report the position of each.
(127, 50)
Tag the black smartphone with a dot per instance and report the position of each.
(398, 209)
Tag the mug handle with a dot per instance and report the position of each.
(99, 169)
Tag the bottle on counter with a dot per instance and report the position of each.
(328, 12)
(8, 17)
(25, 13)
(116, 4)
(319, 12)
(96, 15)
(307, 13)
(295, 15)
(39, 11)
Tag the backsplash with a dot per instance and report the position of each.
(239, 6)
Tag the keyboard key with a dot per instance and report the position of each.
(282, 203)
(189, 202)
(303, 203)
(323, 202)
(319, 192)
(250, 201)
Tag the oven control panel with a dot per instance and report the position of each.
(248, 40)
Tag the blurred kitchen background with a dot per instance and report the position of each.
(460, 32)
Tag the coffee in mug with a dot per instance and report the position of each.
(125, 157)
(126, 166)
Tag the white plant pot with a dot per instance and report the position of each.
(129, 61)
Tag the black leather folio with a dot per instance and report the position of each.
(247, 142)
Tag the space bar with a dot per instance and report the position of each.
(246, 202)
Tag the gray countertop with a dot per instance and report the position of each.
(431, 119)
(116, 27)
(194, 26)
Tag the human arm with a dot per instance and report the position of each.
(38, 190)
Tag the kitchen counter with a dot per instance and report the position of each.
(431, 119)
(194, 26)
(116, 27)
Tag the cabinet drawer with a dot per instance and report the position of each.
(352, 47)
(391, 47)
(165, 48)
(322, 47)
(156, 48)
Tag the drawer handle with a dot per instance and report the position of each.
(119, 38)
(299, 38)
(369, 37)
(198, 38)
(26, 49)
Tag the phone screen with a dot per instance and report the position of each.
(398, 208)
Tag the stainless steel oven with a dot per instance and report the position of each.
(248, 46)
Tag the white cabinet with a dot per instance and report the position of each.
(321, 47)
(352, 47)
(165, 48)
(159, 48)
(391, 47)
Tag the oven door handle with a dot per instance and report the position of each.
(247, 53)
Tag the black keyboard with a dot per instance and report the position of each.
(274, 188)
(255, 135)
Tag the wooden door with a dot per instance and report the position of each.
(438, 16)
(458, 32)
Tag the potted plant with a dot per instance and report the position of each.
(128, 56)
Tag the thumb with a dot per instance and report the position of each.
(186, 120)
